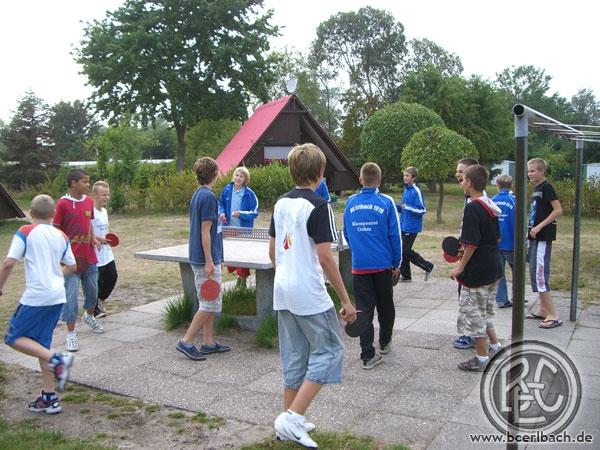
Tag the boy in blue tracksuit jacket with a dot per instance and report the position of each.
(412, 210)
(238, 207)
(506, 201)
(372, 229)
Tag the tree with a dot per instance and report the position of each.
(434, 151)
(29, 153)
(71, 124)
(209, 137)
(424, 52)
(388, 131)
(182, 60)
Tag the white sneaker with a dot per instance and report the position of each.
(72, 345)
(291, 427)
(93, 323)
(309, 427)
(386, 348)
(428, 273)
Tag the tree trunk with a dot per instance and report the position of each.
(180, 162)
(431, 184)
(440, 203)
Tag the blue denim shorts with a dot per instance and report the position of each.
(89, 283)
(311, 348)
(33, 322)
(214, 306)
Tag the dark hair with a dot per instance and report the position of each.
(206, 169)
(468, 162)
(478, 175)
(75, 175)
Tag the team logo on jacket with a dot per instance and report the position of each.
(287, 241)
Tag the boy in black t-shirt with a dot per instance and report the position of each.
(545, 209)
(479, 268)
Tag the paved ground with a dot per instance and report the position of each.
(417, 396)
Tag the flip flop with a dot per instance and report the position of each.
(533, 315)
(550, 323)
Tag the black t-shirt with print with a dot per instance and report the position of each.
(540, 208)
(480, 229)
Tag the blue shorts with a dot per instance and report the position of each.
(311, 348)
(34, 322)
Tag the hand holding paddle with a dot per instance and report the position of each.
(112, 239)
(358, 325)
(451, 248)
(210, 290)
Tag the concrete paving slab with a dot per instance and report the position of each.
(590, 385)
(402, 323)
(456, 436)
(585, 333)
(442, 327)
(587, 365)
(127, 317)
(583, 348)
(409, 312)
(156, 307)
(421, 403)
(254, 407)
(131, 333)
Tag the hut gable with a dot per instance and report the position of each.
(8, 207)
(273, 130)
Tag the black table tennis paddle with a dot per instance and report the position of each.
(451, 247)
(358, 327)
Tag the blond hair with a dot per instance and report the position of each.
(370, 174)
(97, 185)
(412, 171)
(244, 172)
(539, 163)
(306, 163)
(504, 181)
(42, 207)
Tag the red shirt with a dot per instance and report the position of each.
(74, 218)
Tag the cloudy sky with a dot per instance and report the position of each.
(37, 37)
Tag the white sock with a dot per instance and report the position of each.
(483, 359)
(497, 346)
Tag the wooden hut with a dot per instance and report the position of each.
(8, 207)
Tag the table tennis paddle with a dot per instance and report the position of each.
(112, 238)
(358, 327)
(451, 246)
(82, 264)
(210, 290)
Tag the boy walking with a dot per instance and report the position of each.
(545, 209)
(206, 257)
(311, 348)
(412, 210)
(74, 214)
(479, 268)
(373, 234)
(505, 200)
(48, 257)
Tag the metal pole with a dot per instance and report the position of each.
(576, 229)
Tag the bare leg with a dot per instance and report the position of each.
(208, 330)
(288, 397)
(491, 332)
(32, 348)
(71, 326)
(201, 318)
(305, 396)
(481, 346)
(49, 383)
(547, 306)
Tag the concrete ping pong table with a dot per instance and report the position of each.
(249, 248)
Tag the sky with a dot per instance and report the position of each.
(38, 36)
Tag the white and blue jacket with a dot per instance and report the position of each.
(411, 218)
(248, 210)
(372, 229)
(506, 201)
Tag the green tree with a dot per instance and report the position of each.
(434, 151)
(424, 52)
(585, 110)
(182, 60)
(29, 155)
(388, 131)
(71, 124)
(161, 142)
(209, 138)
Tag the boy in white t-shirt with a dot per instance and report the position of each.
(107, 269)
(48, 257)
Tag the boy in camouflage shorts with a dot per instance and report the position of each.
(478, 270)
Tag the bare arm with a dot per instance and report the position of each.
(272, 250)
(5, 271)
(555, 214)
(68, 270)
(468, 253)
(209, 267)
(335, 278)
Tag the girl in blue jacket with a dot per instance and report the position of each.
(238, 207)
(412, 210)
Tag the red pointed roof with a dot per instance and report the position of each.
(249, 133)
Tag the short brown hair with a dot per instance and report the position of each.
(75, 175)
(206, 170)
(306, 163)
(370, 174)
(540, 163)
(504, 181)
(468, 162)
(97, 185)
(42, 207)
(412, 171)
(478, 175)
(244, 172)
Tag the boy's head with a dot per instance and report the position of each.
(504, 181)
(536, 170)
(206, 170)
(410, 175)
(42, 207)
(241, 176)
(370, 175)
(101, 193)
(307, 164)
(475, 179)
(78, 182)
(462, 165)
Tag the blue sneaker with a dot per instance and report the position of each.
(505, 304)
(215, 348)
(190, 351)
(463, 342)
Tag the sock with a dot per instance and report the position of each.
(483, 359)
(186, 345)
(48, 396)
(497, 346)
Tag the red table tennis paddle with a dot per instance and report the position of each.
(82, 264)
(451, 247)
(358, 327)
(210, 290)
(112, 238)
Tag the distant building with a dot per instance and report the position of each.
(591, 170)
(271, 132)
(8, 207)
(505, 167)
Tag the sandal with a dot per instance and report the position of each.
(533, 315)
(550, 323)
